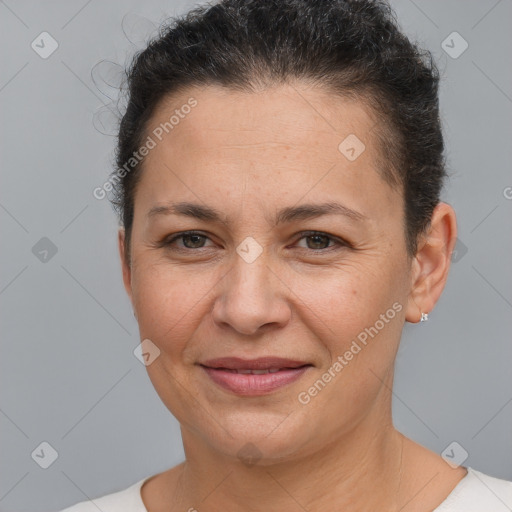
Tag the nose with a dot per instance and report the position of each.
(252, 298)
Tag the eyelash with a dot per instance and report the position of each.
(167, 243)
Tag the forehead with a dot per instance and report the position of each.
(283, 143)
(287, 115)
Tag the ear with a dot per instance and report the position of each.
(126, 266)
(432, 262)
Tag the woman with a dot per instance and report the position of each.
(278, 177)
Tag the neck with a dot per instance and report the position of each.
(368, 458)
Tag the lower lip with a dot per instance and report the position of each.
(251, 384)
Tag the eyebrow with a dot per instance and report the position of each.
(285, 215)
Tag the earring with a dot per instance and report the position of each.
(424, 317)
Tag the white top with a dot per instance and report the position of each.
(476, 492)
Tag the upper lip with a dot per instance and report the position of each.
(261, 363)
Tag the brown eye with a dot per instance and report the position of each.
(318, 241)
(196, 241)
(191, 240)
(315, 241)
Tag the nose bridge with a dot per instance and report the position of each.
(249, 297)
(250, 279)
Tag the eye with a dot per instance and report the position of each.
(191, 240)
(320, 241)
(195, 240)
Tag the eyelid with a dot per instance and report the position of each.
(168, 240)
(340, 242)
(333, 238)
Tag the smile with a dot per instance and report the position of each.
(255, 377)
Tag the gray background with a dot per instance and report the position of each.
(68, 373)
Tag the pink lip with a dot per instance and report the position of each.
(261, 363)
(223, 372)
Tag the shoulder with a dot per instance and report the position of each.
(478, 492)
(125, 500)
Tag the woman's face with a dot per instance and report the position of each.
(253, 285)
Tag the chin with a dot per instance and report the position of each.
(262, 439)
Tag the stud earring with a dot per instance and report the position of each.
(424, 317)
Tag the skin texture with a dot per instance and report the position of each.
(248, 155)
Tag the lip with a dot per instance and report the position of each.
(222, 371)
(261, 363)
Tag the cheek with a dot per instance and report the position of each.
(358, 318)
(346, 300)
(357, 314)
(169, 302)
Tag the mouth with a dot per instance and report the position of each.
(256, 376)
